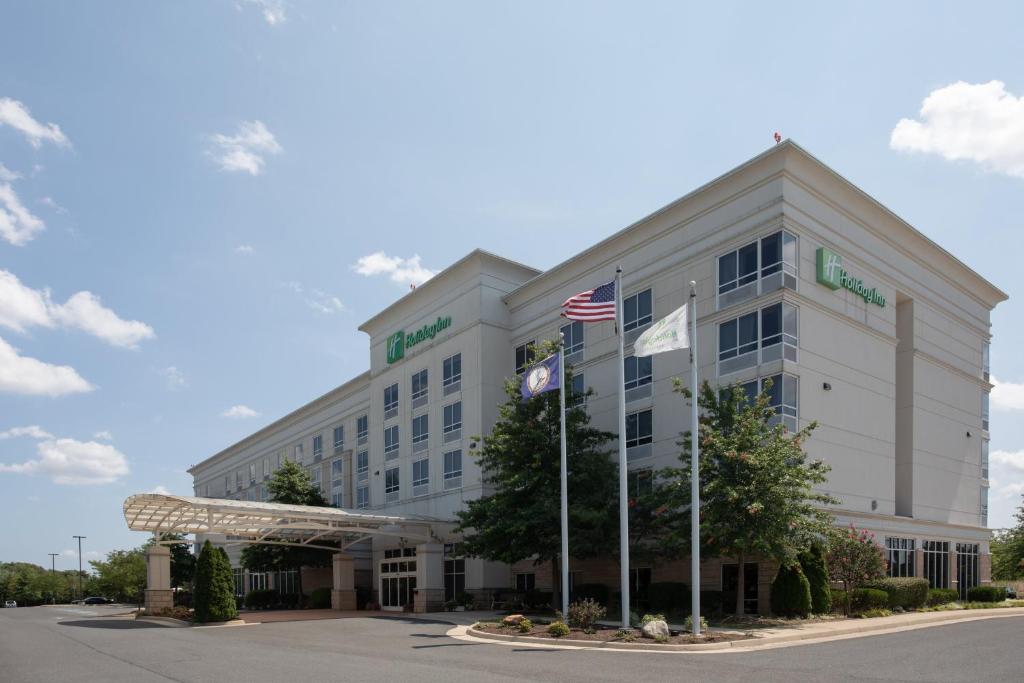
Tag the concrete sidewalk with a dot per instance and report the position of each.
(283, 615)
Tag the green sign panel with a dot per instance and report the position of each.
(400, 341)
(831, 274)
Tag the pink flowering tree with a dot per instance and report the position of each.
(854, 558)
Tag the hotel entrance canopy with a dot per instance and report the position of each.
(248, 522)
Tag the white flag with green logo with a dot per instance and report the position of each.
(668, 334)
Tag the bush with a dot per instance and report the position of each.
(598, 592)
(260, 598)
(874, 612)
(815, 569)
(791, 593)
(669, 596)
(215, 586)
(525, 626)
(648, 618)
(986, 594)
(584, 614)
(838, 596)
(864, 599)
(320, 598)
(907, 592)
(688, 625)
(558, 629)
(942, 596)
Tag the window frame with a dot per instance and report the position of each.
(638, 439)
(529, 351)
(392, 440)
(339, 438)
(392, 484)
(639, 321)
(318, 446)
(570, 331)
(421, 377)
(638, 379)
(421, 422)
(449, 411)
(362, 428)
(423, 464)
(391, 398)
(449, 376)
(761, 270)
(451, 476)
(784, 338)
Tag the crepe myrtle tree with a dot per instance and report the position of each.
(854, 559)
(756, 483)
(520, 460)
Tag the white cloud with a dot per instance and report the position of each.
(50, 203)
(22, 307)
(72, 554)
(403, 271)
(963, 121)
(162, 490)
(239, 412)
(244, 249)
(74, 463)
(105, 435)
(325, 303)
(18, 225)
(32, 431)
(273, 10)
(174, 378)
(7, 175)
(23, 375)
(244, 151)
(1007, 395)
(16, 115)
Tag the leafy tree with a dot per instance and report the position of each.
(1008, 551)
(183, 562)
(791, 592)
(813, 564)
(520, 459)
(122, 576)
(214, 596)
(854, 559)
(756, 482)
(290, 485)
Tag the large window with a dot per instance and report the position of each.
(526, 582)
(985, 360)
(936, 563)
(339, 439)
(639, 428)
(899, 555)
(772, 330)
(362, 465)
(783, 396)
(637, 310)
(390, 401)
(252, 473)
(318, 447)
(419, 387)
(984, 410)
(454, 573)
(391, 485)
(638, 371)
(524, 356)
(391, 442)
(453, 421)
(572, 335)
(452, 373)
(337, 473)
(578, 391)
(314, 477)
(420, 477)
(967, 570)
(420, 433)
(453, 469)
(641, 482)
(362, 497)
(984, 506)
(299, 453)
(362, 428)
(757, 268)
(984, 458)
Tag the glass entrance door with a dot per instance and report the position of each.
(397, 584)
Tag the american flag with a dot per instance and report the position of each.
(592, 305)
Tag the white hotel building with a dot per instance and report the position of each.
(898, 379)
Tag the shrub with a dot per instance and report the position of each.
(320, 598)
(874, 612)
(625, 635)
(215, 586)
(668, 596)
(838, 596)
(942, 596)
(688, 624)
(260, 598)
(584, 614)
(863, 599)
(791, 593)
(598, 592)
(648, 618)
(525, 626)
(906, 592)
(816, 570)
(986, 594)
(558, 629)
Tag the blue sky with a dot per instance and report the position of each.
(187, 190)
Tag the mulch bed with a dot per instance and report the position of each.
(612, 635)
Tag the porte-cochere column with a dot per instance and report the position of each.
(429, 578)
(158, 578)
(343, 593)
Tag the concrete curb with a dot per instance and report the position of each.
(178, 623)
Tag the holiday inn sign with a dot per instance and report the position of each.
(831, 274)
(400, 341)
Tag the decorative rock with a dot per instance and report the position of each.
(512, 620)
(655, 629)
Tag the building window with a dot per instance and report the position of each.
(984, 458)
(638, 371)
(526, 582)
(453, 469)
(454, 574)
(578, 392)
(899, 556)
(264, 494)
(362, 465)
(984, 410)
(756, 268)
(783, 396)
(772, 330)
(936, 563)
(420, 477)
(390, 401)
(298, 452)
(362, 428)
(985, 360)
(391, 442)
(266, 467)
(453, 421)
(639, 428)
(227, 484)
(339, 439)
(239, 575)
(967, 574)
(984, 506)
(419, 385)
(362, 497)
(420, 433)
(641, 482)
(314, 477)
(238, 480)
(337, 471)
(524, 356)
(451, 373)
(637, 310)
(252, 473)
(318, 446)
(336, 499)
(391, 485)
(572, 335)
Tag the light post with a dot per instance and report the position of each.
(53, 570)
(79, 565)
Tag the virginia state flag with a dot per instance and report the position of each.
(544, 376)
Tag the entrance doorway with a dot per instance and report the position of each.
(730, 575)
(398, 579)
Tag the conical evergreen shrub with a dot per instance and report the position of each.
(214, 596)
(815, 569)
(791, 593)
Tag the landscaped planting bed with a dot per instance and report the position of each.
(608, 635)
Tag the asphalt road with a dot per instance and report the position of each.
(53, 645)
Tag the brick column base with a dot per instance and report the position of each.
(158, 599)
(343, 600)
(429, 600)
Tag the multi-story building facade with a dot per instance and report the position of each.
(863, 324)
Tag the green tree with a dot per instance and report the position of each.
(756, 482)
(791, 592)
(214, 596)
(290, 485)
(1008, 551)
(122, 576)
(813, 564)
(183, 562)
(854, 559)
(520, 460)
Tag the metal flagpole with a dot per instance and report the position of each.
(623, 471)
(565, 482)
(694, 472)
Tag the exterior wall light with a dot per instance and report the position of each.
(826, 386)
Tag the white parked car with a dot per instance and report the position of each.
(10, 603)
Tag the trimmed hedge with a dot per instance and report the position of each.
(942, 596)
(986, 594)
(863, 599)
(791, 593)
(838, 599)
(598, 592)
(905, 592)
(816, 570)
(320, 598)
(669, 596)
(261, 598)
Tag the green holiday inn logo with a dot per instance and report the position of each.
(400, 341)
(830, 273)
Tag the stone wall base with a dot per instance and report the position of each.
(158, 599)
(343, 600)
(429, 600)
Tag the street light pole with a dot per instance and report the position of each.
(53, 570)
(79, 564)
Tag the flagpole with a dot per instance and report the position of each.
(694, 472)
(565, 481)
(623, 471)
